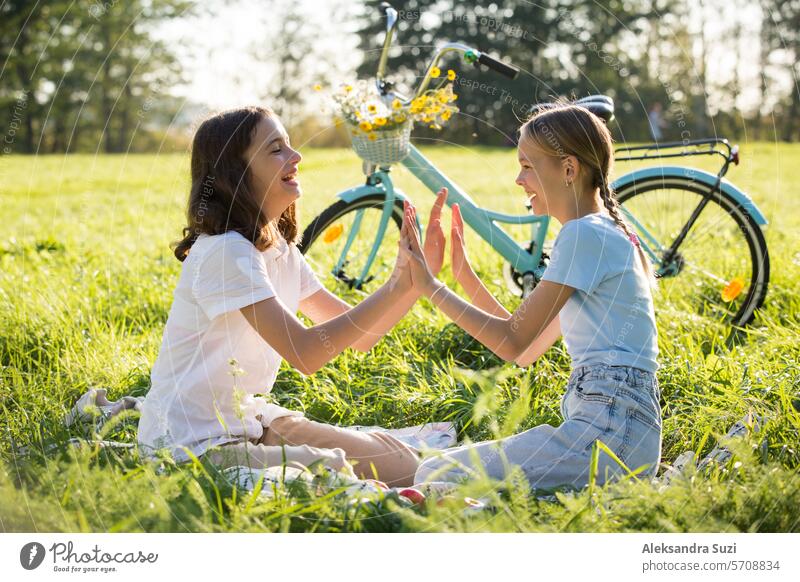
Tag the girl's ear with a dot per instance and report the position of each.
(570, 166)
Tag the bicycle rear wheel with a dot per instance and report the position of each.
(721, 269)
(337, 243)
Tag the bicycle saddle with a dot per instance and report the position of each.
(601, 105)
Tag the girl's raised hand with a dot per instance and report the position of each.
(410, 246)
(458, 251)
(434, 236)
(401, 276)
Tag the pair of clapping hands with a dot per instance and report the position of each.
(417, 264)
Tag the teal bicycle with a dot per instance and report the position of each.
(703, 234)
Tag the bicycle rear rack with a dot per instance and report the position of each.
(699, 147)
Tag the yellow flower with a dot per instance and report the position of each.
(365, 126)
(372, 108)
(451, 75)
(435, 126)
(333, 233)
(348, 88)
(396, 104)
(732, 289)
(427, 119)
(443, 98)
(380, 121)
(453, 97)
(372, 137)
(400, 118)
(435, 72)
(317, 87)
(446, 115)
(358, 115)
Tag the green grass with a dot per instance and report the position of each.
(86, 279)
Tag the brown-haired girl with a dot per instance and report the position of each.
(596, 291)
(233, 317)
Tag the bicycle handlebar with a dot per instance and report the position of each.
(505, 69)
(474, 56)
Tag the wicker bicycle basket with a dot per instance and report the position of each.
(389, 146)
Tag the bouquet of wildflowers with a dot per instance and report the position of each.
(380, 126)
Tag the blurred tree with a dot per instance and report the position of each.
(564, 47)
(294, 48)
(86, 68)
(24, 40)
(128, 62)
(781, 33)
(287, 43)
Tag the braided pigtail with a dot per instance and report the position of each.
(611, 204)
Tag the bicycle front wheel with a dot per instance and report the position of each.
(345, 247)
(721, 269)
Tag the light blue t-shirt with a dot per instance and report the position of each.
(609, 319)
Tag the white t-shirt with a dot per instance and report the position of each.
(193, 398)
(609, 319)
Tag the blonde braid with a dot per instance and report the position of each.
(611, 204)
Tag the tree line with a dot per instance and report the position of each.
(91, 75)
(639, 52)
(85, 75)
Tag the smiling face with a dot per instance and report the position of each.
(565, 155)
(273, 167)
(543, 176)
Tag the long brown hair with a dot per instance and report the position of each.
(221, 197)
(565, 129)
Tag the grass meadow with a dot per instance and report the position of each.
(86, 280)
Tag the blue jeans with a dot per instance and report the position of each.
(618, 405)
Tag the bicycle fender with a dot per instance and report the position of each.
(694, 175)
(353, 194)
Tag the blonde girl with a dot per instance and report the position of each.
(596, 292)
